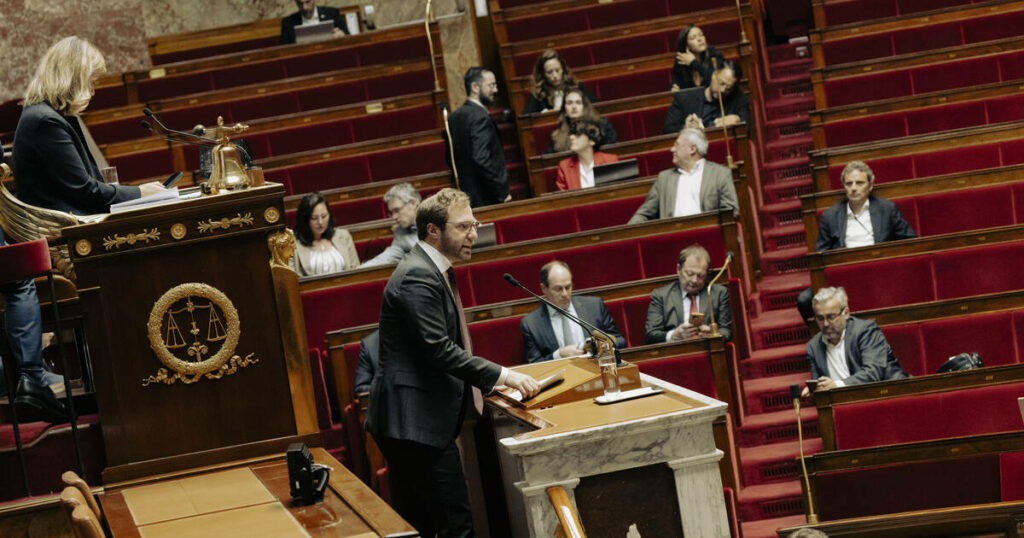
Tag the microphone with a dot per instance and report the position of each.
(148, 126)
(794, 393)
(149, 114)
(711, 307)
(451, 144)
(594, 331)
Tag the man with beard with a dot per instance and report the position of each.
(427, 374)
(699, 107)
(477, 149)
(848, 350)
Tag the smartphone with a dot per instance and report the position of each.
(697, 319)
(172, 179)
(812, 384)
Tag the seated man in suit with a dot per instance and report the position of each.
(402, 201)
(848, 350)
(859, 221)
(699, 107)
(695, 186)
(369, 349)
(310, 13)
(548, 334)
(668, 316)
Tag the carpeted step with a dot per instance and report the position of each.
(778, 427)
(788, 260)
(789, 190)
(781, 213)
(768, 501)
(785, 170)
(765, 528)
(782, 237)
(778, 328)
(774, 361)
(788, 148)
(769, 394)
(776, 462)
(796, 125)
(779, 292)
(789, 106)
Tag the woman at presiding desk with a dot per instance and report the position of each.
(320, 248)
(578, 171)
(53, 167)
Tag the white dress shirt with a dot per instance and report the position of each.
(858, 227)
(835, 355)
(577, 337)
(586, 175)
(442, 263)
(688, 190)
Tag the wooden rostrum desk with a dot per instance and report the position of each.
(650, 461)
(195, 331)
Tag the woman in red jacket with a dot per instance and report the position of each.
(577, 172)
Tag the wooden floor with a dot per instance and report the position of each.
(46, 522)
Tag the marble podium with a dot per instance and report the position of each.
(651, 462)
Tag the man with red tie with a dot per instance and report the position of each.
(668, 316)
(427, 373)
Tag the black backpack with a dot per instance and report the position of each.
(963, 361)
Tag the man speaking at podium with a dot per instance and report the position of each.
(427, 374)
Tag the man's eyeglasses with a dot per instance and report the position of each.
(829, 318)
(465, 227)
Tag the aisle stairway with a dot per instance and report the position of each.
(771, 496)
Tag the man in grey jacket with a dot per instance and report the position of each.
(402, 201)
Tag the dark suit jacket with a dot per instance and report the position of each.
(424, 372)
(325, 13)
(868, 354)
(479, 155)
(666, 311)
(54, 169)
(369, 351)
(694, 101)
(887, 224)
(716, 192)
(540, 339)
(569, 169)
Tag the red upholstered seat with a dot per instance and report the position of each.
(536, 226)
(143, 165)
(933, 36)
(979, 270)
(307, 64)
(214, 50)
(335, 308)
(635, 310)
(858, 48)
(874, 292)
(905, 341)
(499, 340)
(394, 123)
(263, 107)
(298, 139)
(906, 487)
(633, 85)
(944, 76)
(610, 213)
(376, 53)
(1011, 468)
(175, 85)
(935, 119)
(618, 314)
(253, 73)
(356, 443)
(22, 261)
(660, 254)
(1005, 109)
(967, 209)
(328, 175)
(851, 90)
(320, 396)
(859, 130)
(846, 12)
(925, 417)
(988, 335)
(409, 161)
(108, 97)
(690, 371)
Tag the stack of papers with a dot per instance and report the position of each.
(163, 197)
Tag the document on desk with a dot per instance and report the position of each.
(163, 197)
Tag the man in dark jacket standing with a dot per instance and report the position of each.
(478, 152)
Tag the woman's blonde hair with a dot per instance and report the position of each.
(64, 77)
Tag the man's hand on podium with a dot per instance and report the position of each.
(525, 384)
(570, 351)
(151, 188)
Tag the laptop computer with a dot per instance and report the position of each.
(309, 33)
(485, 236)
(616, 171)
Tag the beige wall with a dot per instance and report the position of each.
(119, 28)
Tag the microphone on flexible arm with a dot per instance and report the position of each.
(149, 127)
(606, 344)
(794, 393)
(182, 134)
(711, 307)
(451, 145)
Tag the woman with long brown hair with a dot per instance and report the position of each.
(552, 78)
(579, 108)
(693, 65)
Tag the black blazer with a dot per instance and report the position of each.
(424, 373)
(369, 351)
(887, 224)
(54, 169)
(479, 155)
(325, 13)
(868, 354)
(682, 75)
(666, 311)
(694, 101)
(534, 105)
(540, 339)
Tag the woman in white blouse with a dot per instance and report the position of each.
(320, 248)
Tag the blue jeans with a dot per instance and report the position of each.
(24, 325)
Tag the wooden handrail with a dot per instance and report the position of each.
(993, 519)
(565, 510)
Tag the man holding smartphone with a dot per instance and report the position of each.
(682, 310)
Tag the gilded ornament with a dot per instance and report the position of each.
(225, 223)
(83, 247)
(177, 336)
(282, 247)
(271, 215)
(178, 230)
(115, 241)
